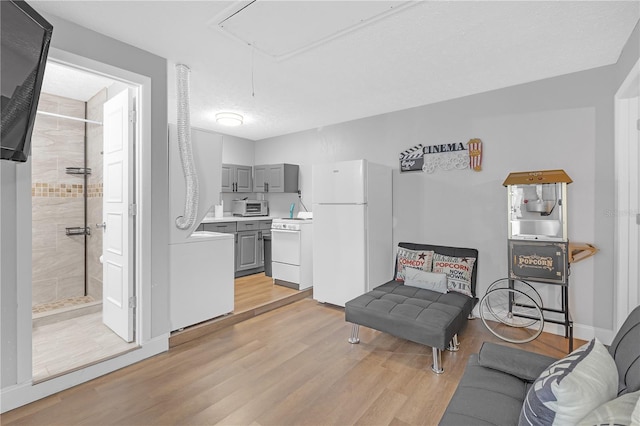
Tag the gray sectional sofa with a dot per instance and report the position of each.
(496, 380)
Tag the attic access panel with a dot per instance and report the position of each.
(282, 29)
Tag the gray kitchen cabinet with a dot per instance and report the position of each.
(236, 178)
(222, 227)
(249, 247)
(260, 249)
(249, 242)
(247, 250)
(265, 224)
(275, 178)
(248, 225)
(265, 229)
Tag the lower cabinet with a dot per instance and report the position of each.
(222, 227)
(247, 250)
(249, 242)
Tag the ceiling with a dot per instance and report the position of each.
(289, 66)
(72, 83)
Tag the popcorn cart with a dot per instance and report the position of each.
(539, 251)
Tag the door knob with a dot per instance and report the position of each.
(102, 225)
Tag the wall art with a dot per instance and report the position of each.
(448, 156)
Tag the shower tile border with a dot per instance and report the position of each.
(65, 190)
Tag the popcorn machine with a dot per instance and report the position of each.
(539, 251)
(537, 206)
(537, 212)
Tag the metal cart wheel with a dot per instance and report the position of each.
(521, 286)
(511, 314)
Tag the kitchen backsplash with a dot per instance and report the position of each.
(279, 204)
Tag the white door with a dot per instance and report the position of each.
(634, 249)
(627, 213)
(118, 195)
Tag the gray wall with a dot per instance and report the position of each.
(8, 272)
(558, 123)
(629, 56)
(77, 40)
(15, 270)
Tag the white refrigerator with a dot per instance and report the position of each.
(352, 229)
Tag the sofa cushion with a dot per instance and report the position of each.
(449, 251)
(618, 411)
(422, 316)
(458, 270)
(426, 280)
(485, 397)
(517, 362)
(624, 350)
(418, 259)
(571, 387)
(453, 299)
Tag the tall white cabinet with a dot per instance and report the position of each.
(201, 264)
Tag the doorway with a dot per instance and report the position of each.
(69, 278)
(627, 213)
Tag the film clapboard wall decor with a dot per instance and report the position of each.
(448, 156)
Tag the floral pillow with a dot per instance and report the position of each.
(418, 259)
(458, 270)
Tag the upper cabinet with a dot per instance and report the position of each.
(236, 178)
(275, 178)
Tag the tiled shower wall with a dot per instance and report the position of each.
(94, 194)
(57, 200)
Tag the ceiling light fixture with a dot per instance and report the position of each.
(228, 119)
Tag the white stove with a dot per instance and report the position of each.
(292, 224)
(291, 252)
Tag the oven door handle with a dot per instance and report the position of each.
(284, 230)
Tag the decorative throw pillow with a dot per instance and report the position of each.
(427, 280)
(615, 412)
(635, 416)
(458, 270)
(572, 387)
(418, 259)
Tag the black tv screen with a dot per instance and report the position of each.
(25, 38)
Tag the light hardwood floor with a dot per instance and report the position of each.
(73, 343)
(289, 366)
(254, 295)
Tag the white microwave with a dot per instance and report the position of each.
(250, 208)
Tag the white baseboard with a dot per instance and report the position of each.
(580, 331)
(583, 332)
(21, 394)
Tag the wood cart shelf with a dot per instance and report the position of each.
(580, 251)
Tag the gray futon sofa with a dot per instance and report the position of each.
(496, 380)
(420, 315)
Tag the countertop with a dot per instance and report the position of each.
(209, 219)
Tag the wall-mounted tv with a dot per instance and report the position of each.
(25, 37)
